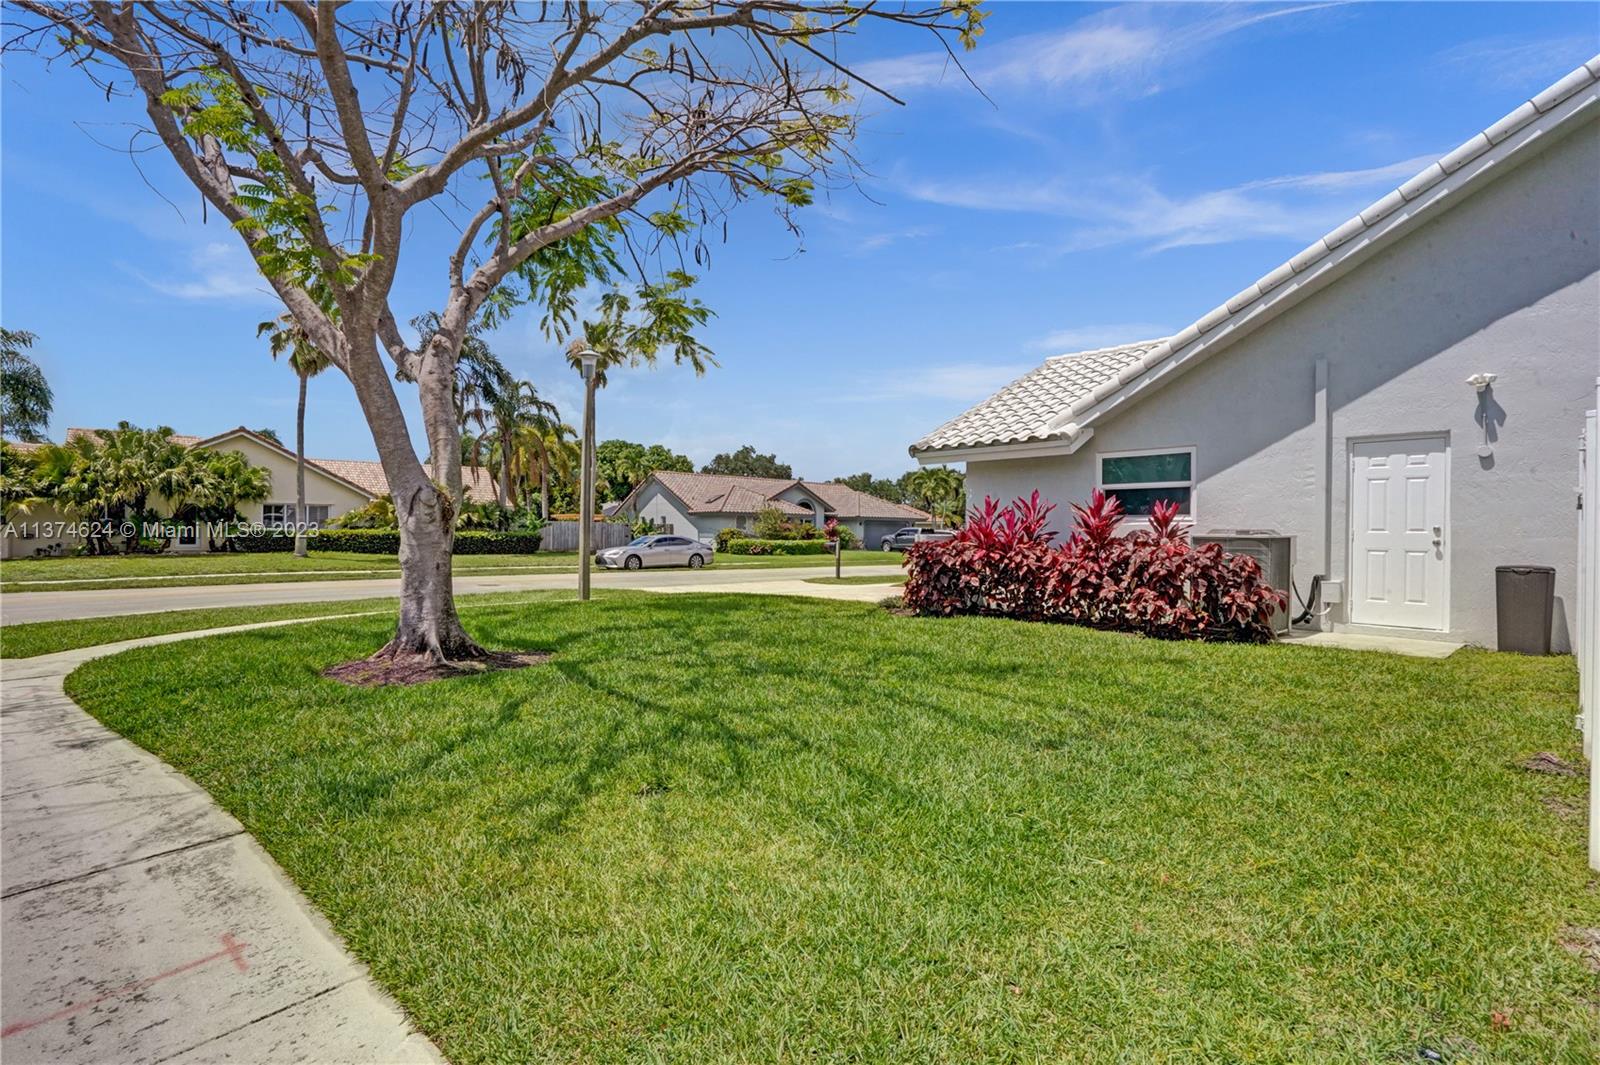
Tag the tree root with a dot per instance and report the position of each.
(399, 666)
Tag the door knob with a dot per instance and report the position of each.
(1438, 536)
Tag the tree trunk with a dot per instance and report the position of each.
(300, 472)
(544, 490)
(428, 623)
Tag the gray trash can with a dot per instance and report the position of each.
(1524, 603)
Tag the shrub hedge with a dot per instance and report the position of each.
(779, 547)
(1154, 582)
(387, 542)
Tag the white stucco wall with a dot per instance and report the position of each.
(663, 508)
(802, 497)
(1507, 283)
(320, 489)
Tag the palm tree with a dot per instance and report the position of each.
(512, 409)
(285, 337)
(939, 490)
(224, 480)
(25, 397)
(546, 446)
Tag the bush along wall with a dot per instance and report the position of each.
(387, 542)
(1154, 582)
(779, 547)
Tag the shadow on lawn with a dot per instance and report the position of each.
(603, 715)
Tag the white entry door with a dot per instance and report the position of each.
(1399, 562)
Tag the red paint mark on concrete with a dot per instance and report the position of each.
(232, 949)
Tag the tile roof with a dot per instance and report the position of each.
(716, 493)
(98, 435)
(364, 474)
(1054, 401)
(368, 475)
(1022, 410)
(845, 502)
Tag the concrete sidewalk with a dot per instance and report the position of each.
(143, 924)
(21, 607)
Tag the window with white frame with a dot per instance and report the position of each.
(317, 514)
(277, 515)
(1140, 478)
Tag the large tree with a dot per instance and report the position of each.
(748, 462)
(620, 465)
(547, 133)
(25, 397)
(881, 487)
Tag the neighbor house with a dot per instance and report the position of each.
(333, 487)
(1404, 397)
(701, 504)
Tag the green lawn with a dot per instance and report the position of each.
(48, 637)
(738, 828)
(146, 571)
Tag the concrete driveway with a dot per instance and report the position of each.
(17, 608)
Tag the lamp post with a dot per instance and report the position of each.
(587, 358)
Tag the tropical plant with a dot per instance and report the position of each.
(939, 490)
(1153, 581)
(287, 338)
(222, 481)
(621, 465)
(377, 513)
(18, 485)
(25, 396)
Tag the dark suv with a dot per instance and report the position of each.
(911, 534)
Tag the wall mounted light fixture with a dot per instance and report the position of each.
(1481, 383)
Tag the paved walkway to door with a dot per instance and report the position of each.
(141, 922)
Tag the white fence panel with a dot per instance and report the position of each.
(1588, 645)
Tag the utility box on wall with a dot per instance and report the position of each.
(1272, 550)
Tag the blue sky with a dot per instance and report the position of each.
(1130, 167)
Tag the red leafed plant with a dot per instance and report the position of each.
(1152, 581)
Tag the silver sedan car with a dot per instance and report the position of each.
(658, 550)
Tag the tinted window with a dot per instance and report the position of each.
(1145, 469)
(1138, 501)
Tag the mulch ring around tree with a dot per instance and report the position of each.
(383, 671)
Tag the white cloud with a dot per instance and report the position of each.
(216, 271)
(1129, 51)
(962, 382)
(877, 241)
(1134, 210)
(1521, 63)
(1088, 337)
